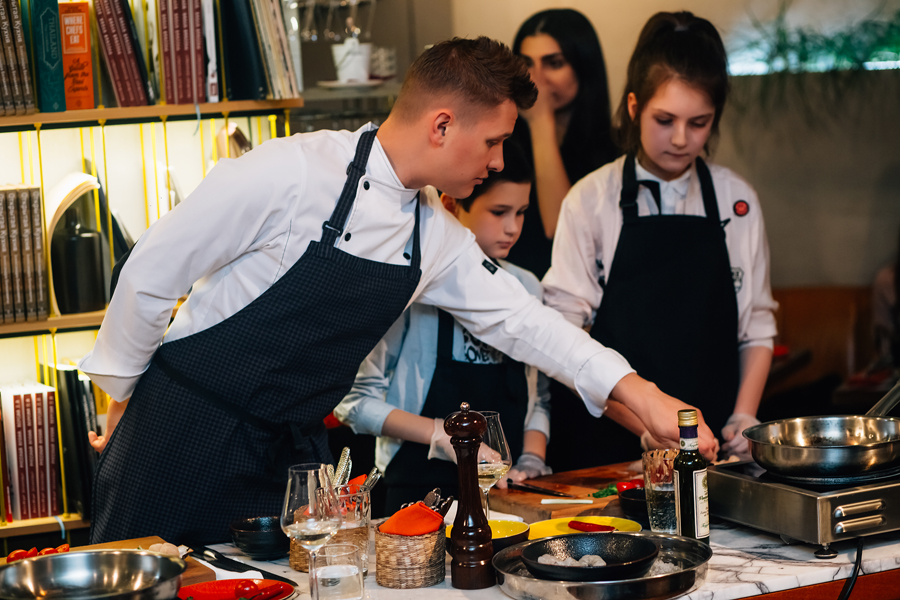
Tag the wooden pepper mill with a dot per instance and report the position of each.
(470, 539)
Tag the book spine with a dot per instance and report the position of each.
(41, 285)
(198, 71)
(40, 433)
(6, 96)
(209, 39)
(5, 482)
(167, 50)
(31, 455)
(27, 238)
(12, 63)
(129, 51)
(15, 15)
(132, 35)
(21, 470)
(78, 72)
(48, 58)
(15, 256)
(181, 54)
(53, 455)
(111, 57)
(6, 283)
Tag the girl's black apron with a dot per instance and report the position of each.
(669, 307)
(501, 387)
(219, 415)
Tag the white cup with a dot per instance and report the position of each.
(351, 60)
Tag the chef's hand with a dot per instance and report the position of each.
(648, 442)
(440, 446)
(113, 413)
(735, 443)
(659, 413)
(542, 110)
(528, 466)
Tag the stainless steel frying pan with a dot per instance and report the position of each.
(829, 447)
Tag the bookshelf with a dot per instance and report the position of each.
(144, 114)
(60, 324)
(43, 525)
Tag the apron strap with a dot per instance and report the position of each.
(334, 226)
(708, 190)
(416, 260)
(628, 198)
(445, 335)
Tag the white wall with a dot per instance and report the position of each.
(830, 190)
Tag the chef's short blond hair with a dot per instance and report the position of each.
(474, 74)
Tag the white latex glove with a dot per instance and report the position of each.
(528, 466)
(440, 446)
(735, 443)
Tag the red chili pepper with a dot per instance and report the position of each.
(638, 482)
(32, 553)
(47, 551)
(63, 548)
(272, 591)
(591, 527)
(16, 555)
(624, 485)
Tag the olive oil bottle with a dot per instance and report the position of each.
(691, 492)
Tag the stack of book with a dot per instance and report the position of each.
(169, 52)
(31, 458)
(24, 287)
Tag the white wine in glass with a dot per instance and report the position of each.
(493, 456)
(311, 513)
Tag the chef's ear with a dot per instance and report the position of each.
(450, 204)
(439, 124)
(632, 105)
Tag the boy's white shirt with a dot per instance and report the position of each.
(397, 374)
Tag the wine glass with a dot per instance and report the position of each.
(493, 456)
(311, 513)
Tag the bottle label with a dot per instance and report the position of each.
(690, 443)
(701, 505)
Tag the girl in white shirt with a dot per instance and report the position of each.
(664, 257)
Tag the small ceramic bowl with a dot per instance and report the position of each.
(634, 505)
(260, 538)
(503, 533)
(626, 556)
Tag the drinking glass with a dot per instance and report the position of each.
(659, 487)
(311, 513)
(338, 571)
(493, 456)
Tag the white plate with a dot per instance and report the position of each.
(339, 85)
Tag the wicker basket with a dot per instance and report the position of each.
(358, 536)
(403, 561)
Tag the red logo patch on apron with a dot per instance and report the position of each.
(741, 208)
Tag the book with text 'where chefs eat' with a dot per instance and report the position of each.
(42, 21)
(14, 432)
(78, 73)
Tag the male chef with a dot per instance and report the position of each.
(299, 256)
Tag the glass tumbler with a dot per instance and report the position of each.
(659, 487)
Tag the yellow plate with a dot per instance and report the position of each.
(551, 527)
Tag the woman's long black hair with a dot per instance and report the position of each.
(587, 144)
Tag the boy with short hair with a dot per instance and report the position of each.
(428, 362)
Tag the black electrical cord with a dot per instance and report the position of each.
(848, 585)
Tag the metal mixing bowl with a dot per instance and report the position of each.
(95, 575)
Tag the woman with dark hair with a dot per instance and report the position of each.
(567, 132)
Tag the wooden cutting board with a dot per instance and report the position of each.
(195, 573)
(579, 483)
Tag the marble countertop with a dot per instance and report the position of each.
(745, 563)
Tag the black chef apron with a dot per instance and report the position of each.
(500, 387)
(219, 415)
(669, 307)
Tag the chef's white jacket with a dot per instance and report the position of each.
(399, 371)
(253, 217)
(588, 232)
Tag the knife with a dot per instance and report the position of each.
(217, 559)
(524, 487)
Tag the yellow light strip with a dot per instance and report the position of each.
(273, 129)
(259, 130)
(287, 122)
(214, 150)
(37, 357)
(94, 174)
(144, 175)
